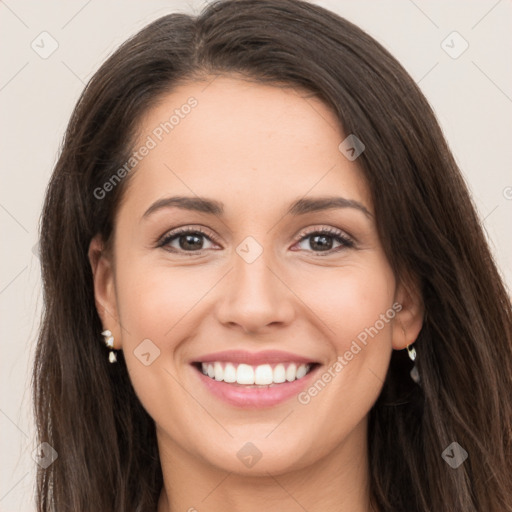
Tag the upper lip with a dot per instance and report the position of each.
(253, 358)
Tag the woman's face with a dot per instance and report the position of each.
(259, 289)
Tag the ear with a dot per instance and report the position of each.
(104, 288)
(409, 319)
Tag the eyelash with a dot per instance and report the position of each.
(338, 235)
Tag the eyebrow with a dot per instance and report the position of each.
(298, 207)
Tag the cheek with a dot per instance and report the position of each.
(350, 300)
(152, 299)
(155, 303)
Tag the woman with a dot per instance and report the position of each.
(266, 283)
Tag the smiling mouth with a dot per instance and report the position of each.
(263, 375)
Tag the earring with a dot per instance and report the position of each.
(109, 342)
(415, 376)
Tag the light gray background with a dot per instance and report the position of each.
(471, 95)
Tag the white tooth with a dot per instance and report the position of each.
(263, 375)
(290, 372)
(229, 373)
(279, 374)
(219, 372)
(301, 371)
(244, 374)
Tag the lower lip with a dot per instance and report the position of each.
(255, 397)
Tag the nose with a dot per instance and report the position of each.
(255, 298)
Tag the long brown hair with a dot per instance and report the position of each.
(87, 410)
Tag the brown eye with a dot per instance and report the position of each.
(185, 240)
(325, 240)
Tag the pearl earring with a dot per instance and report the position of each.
(109, 342)
(415, 376)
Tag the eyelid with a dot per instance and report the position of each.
(325, 229)
(172, 233)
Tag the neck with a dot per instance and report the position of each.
(338, 480)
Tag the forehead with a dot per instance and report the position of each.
(250, 145)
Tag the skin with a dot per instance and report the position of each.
(256, 148)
